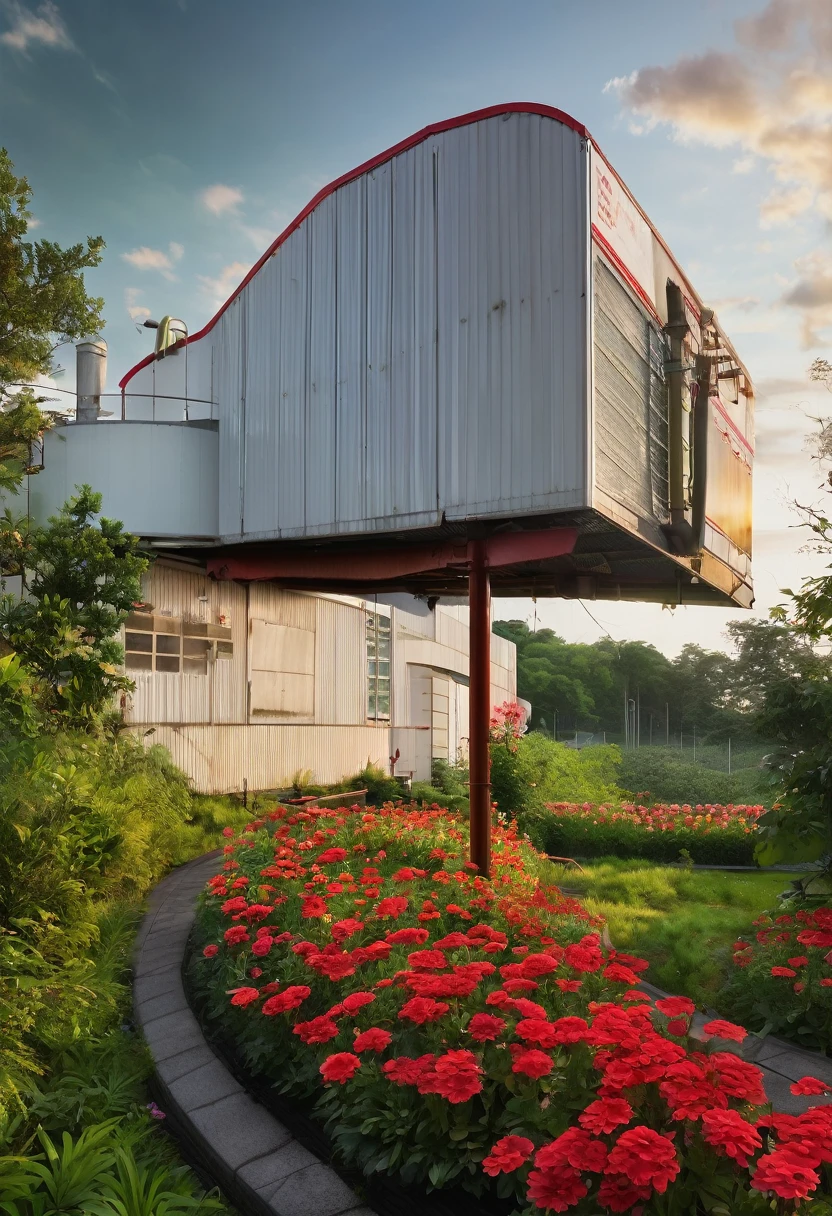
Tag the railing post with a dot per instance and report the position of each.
(479, 709)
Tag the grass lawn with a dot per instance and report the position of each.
(682, 921)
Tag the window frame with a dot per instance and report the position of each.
(378, 649)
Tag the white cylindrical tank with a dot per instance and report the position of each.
(90, 377)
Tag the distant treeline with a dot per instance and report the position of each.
(575, 686)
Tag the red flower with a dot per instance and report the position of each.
(374, 1039)
(244, 996)
(533, 1063)
(784, 1173)
(414, 936)
(406, 1071)
(393, 905)
(238, 904)
(262, 946)
(290, 998)
(678, 1026)
(584, 957)
(313, 907)
(485, 1026)
(537, 1030)
(575, 1147)
(618, 1194)
(675, 1006)
(784, 971)
(738, 1079)
(340, 1067)
(333, 966)
(318, 1030)
(619, 974)
(571, 1030)
(210, 951)
(569, 985)
(421, 1009)
(236, 934)
(605, 1115)
(332, 855)
(645, 1157)
(555, 1190)
(730, 1135)
(538, 964)
(800, 960)
(507, 1155)
(456, 1076)
(342, 929)
(427, 960)
(724, 1030)
(356, 1001)
(808, 1087)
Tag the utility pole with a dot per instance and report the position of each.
(626, 717)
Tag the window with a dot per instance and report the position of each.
(168, 644)
(378, 667)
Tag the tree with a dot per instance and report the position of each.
(81, 579)
(43, 303)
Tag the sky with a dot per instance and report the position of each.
(188, 133)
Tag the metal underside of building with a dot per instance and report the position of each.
(568, 555)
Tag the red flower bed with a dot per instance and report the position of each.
(472, 1032)
(661, 817)
(783, 976)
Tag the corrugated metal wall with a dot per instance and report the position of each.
(261, 689)
(427, 307)
(218, 759)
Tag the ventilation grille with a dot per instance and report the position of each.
(630, 401)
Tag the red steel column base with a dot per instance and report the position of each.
(479, 710)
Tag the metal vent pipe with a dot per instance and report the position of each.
(90, 377)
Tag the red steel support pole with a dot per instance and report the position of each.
(479, 593)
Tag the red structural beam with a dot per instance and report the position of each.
(479, 709)
(383, 565)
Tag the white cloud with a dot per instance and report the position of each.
(137, 311)
(43, 25)
(145, 258)
(811, 295)
(768, 97)
(261, 238)
(33, 222)
(783, 205)
(230, 277)
(220, 200)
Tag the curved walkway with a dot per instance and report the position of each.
(255, 1160)
(261, 1168)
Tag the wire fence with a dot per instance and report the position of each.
(725, 757)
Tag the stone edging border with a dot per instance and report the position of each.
(252, 1157)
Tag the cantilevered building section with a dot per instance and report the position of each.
(473, 352)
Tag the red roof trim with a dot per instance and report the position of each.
(449, 124)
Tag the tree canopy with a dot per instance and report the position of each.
(43, 303)
(718, 694)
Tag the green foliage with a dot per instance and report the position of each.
(43, 303)
(82, 578)
(380, 786)
(583, 687)
(798, 714)
(683, 922)
(537, 770)
(573, 836)
(670, 777)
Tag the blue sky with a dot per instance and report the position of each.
(189, 133)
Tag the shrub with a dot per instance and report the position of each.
(537, 770)
(709, 835)
(782, 980)
(669, 777)
(356, 958)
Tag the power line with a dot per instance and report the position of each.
(603, 628)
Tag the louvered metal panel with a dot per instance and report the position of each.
(630, 406)
(229, 344)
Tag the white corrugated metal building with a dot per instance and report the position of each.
(473, 351)
(247, 685)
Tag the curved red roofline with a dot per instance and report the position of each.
(436, 128)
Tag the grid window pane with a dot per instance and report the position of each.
(167, 662)
(138, 662)
(378, 667)
(167, 643)
(139, 641)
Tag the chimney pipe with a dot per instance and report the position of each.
(90, 377)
